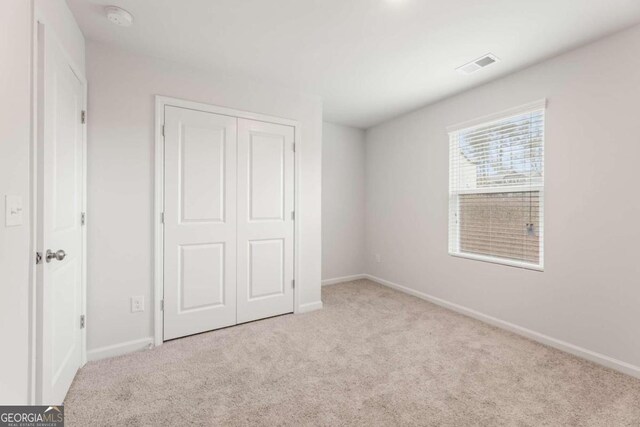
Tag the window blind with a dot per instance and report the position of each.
(496, 188)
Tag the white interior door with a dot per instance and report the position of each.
(60, 190)
(199, 222)
(265, 219)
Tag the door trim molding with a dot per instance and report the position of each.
(158, 259)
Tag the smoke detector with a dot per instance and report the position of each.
(119, 16)
(477, 64)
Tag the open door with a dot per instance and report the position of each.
(60, 221)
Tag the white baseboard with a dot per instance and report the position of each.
(342, 279)
(310, 306)
(120, 349)
(584, 353)
(145, 343)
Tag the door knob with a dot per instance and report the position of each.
(59, 255)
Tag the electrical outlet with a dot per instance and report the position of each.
(137, 304)
(378, 258)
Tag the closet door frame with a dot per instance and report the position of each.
(162, 102)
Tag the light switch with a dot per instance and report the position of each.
(137, 304)
(13, 216)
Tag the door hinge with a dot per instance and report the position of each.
(162, 217)
(83, 218)
(38, 258)
(293, 284)
(293, 215)
(294, 147)
(161, 305)
(83, 117)
(162, 130)
(82, 321)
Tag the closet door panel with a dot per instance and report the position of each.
(265, 219)
(199, 222)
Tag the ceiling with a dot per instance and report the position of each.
(369, 60)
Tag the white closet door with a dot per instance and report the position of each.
(199, 222)
(265, 223)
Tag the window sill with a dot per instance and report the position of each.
(501, 261)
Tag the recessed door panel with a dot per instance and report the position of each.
(67, 110)
(202, 162)
(266, 268)
(265, 219)
(201, 276)
(199, 222)
(64, 317)
(266, 170)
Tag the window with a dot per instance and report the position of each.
(496, 188)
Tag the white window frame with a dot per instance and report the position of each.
(454, 199)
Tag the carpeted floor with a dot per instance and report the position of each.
(372, 356)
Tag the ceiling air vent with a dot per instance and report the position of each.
(473, 66)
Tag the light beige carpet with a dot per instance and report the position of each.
(372, 356)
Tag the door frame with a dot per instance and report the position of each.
(42, 32)
(158, 268)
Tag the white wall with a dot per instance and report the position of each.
(343, 191)
(15, 142)
(589, 293)
(122, 87)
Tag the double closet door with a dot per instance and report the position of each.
(228, 220)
